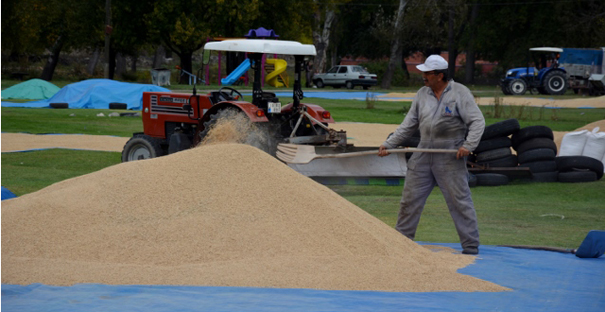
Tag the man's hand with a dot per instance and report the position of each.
(382, 151)
(462, 152)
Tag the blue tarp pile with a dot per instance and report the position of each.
(96, 93)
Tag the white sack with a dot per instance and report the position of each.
(595, 145)
(573, 143)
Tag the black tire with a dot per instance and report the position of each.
(472, 180)
(536, 143)
(569, 163)
(118, 106)
(517, 87)
(491, 179)
(508, 161)
(319, 83)
(552, 176)
(493, 154)
(349, 85)
(555, 83)
(141, 146)
(540, 166)
(531, 132)
(494, 143)
(537, 155)
(506, 87)
(577, 176)
(501, 128)
(58, 105)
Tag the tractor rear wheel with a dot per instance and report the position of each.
(141, 146)
(517, 87)
(555, 83)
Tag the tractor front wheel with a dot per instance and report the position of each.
(141, 146)
(517, 87)
(555, 83)
(506, 87)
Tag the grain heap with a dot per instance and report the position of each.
(219, 215)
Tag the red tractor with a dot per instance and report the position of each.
(174, 121)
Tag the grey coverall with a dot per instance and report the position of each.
(443, 124)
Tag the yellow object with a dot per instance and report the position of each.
(279, 71)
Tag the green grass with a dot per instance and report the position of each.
(27, 172)
(521, 213)
(68, 121)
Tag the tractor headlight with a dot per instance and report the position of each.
(509, 73)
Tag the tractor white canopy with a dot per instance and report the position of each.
(547, 49)
(262, 46)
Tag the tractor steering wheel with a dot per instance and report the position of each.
(229, 95)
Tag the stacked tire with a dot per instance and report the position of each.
(494, 150)
(573, 169)
(537, 150)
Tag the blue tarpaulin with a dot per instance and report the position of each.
(96, 93)
(540, 281)
(7, 194)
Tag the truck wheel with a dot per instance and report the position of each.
(349, 85)
(555, 83)
(518, 87)
(141, 146)
(319, 83)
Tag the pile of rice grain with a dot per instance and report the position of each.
(216, 215)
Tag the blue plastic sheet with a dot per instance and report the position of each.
(540, 281)
(593, 245)
(7, 194)
(96, 93)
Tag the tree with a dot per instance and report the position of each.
(185, 26)
(395, 46)
(323, 18)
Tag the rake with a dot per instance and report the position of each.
(303, 154)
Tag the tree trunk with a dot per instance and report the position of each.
(395, 46)
(120, 65)
(158, 56)
(111, 63)
(133, 64)
(92, 64)
(321, 38)
(187, 65)
(451, 45)
(52, 60)
(469, 76)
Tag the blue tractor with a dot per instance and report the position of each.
(545, 76)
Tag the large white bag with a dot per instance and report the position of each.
(573, 143)
(595, 144)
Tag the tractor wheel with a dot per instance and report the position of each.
(349, 85)
(555, 83)
(506, 87)
(517, 87)
(319, 83)
(141, 146)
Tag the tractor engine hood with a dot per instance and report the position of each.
(520, 72)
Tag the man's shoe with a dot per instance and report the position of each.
(470, 251)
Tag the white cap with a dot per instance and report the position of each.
(433, 62)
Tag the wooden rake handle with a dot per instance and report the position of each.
(395, 150)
